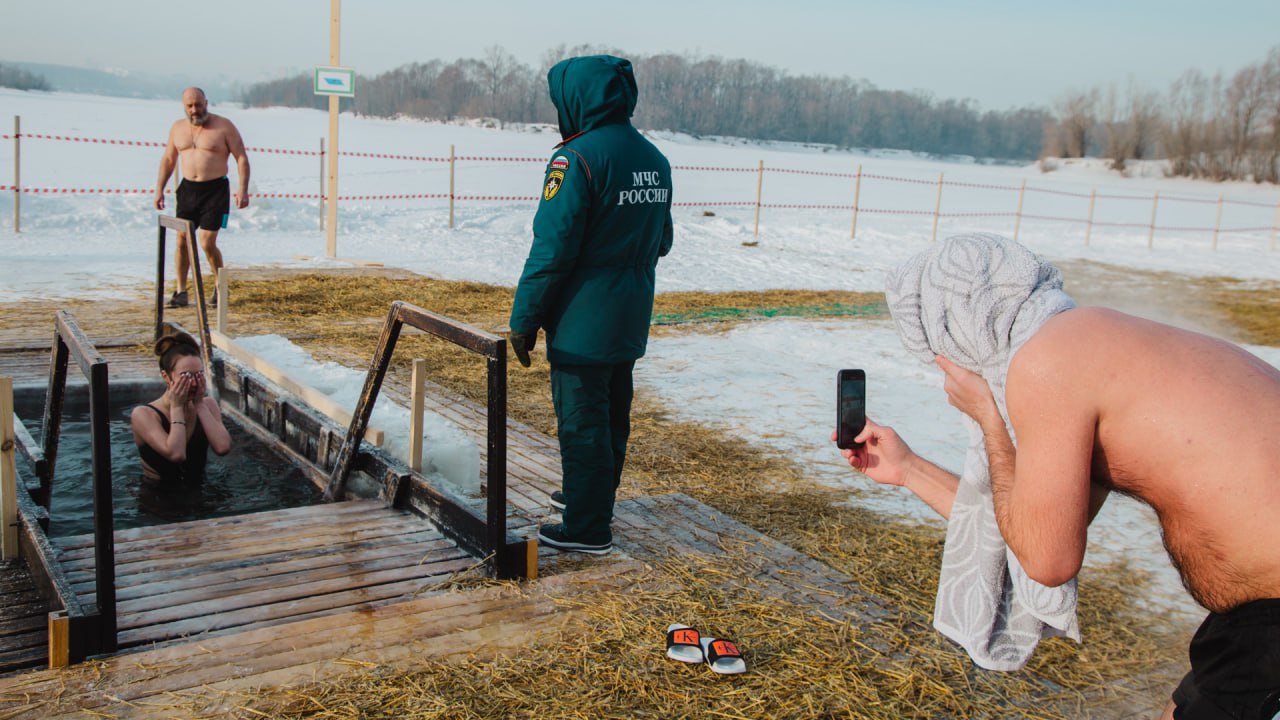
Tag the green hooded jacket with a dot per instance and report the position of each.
(603, 221)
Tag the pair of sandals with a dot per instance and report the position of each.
(687, 645)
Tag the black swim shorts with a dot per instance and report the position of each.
(1235, 666)
(207, 203)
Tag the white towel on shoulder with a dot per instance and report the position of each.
(975, 299)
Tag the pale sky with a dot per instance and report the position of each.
(1001, 53)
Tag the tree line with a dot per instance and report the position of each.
(700, 96)
(16, 77)
(1216, 128)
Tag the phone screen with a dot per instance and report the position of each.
(851, 407)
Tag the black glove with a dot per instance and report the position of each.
(522, 344)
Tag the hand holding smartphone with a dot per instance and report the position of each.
(851, 407)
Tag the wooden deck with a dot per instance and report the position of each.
(479, 623)
(207, 578)
(24, 619)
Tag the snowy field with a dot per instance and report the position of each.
(769, 382)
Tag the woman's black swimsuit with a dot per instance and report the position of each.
(197, 454)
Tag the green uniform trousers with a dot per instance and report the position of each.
(593, 415)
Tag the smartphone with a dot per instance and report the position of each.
(851, 407)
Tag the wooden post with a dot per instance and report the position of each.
(759, 189)
(59, 639)
(1017, 222)
(452, 158)
(17, 173)
(937, 209)
(1088, 228)
(8, 473)
(418, 391)
(335, 25)
(1217, 224)
(1155, 205)
(857, 193)
(221, 289)
(321, 184)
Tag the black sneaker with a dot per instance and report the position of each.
(177, 300)
(554, 536)
(557, 500)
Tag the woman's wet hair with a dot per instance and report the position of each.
(171, 348)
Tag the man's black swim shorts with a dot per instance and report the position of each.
(1235, 666)
(207, 203)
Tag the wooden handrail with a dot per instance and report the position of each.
(506, 559)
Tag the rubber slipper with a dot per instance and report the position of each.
(683, 645)
(723, 656)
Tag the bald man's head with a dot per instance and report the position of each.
(196, 106)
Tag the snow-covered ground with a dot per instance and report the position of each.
(767, 383)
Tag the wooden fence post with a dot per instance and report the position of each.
(1275, 227)
(1217, 224)
(451, 165)
(937, 208)
(417, 389)
(1155, 205)
(17, 173)
(1017, 223)
(220, 290)
(1088, 228)
(759, 189)
(857, 192)
(8, 473)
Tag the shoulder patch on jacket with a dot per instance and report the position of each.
(555, 179)
(560, 163)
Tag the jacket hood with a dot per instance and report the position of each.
(591, 91)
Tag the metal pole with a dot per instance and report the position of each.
(857, 193)
(17, 173)
(759, 188)
(937, 209)
(1017, 223)
(452, 158)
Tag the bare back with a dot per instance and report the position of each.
(205, 150)
(1185, 422)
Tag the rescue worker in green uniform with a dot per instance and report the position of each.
(602, 223)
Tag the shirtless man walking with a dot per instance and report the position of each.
(204, 141)
(1101, 401)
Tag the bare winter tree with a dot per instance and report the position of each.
(1183, 131)
(1076, 113)
(1266, 161)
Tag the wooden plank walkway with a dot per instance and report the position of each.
(205, 578)
(477, 623)
(214, 670)
(24, 634)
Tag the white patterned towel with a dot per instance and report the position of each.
(975, 299)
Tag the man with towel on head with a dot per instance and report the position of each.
(1096, 401)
